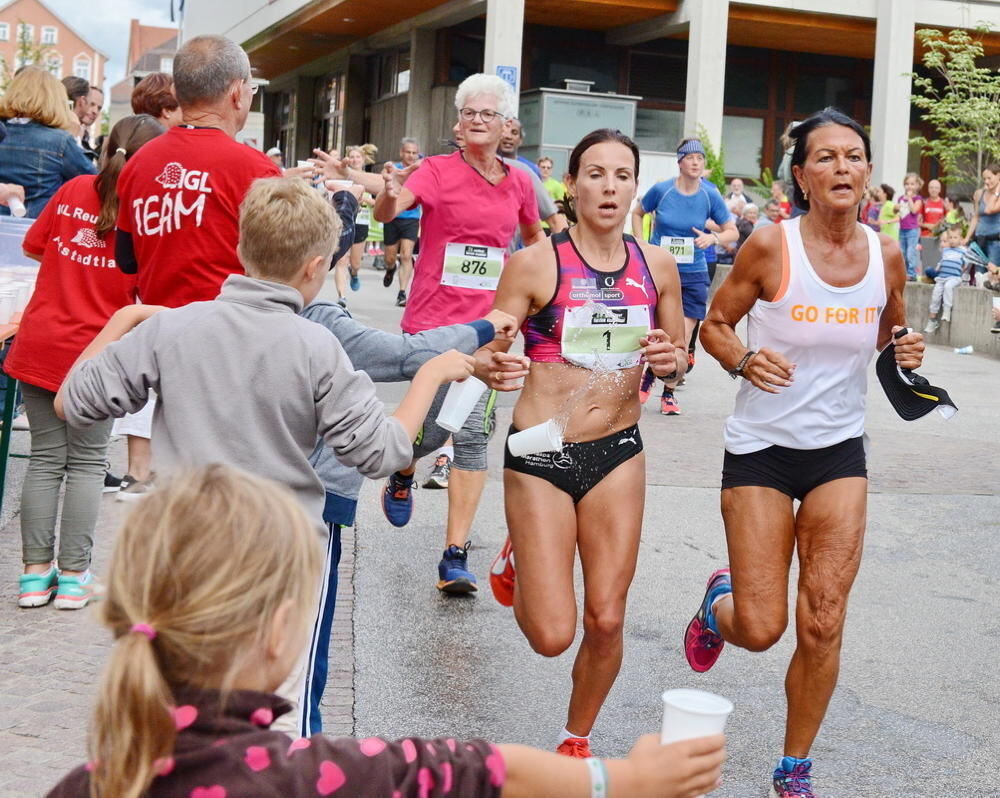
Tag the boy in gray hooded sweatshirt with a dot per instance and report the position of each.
(243, 379)
(385, 357)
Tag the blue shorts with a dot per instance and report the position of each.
(694, 294)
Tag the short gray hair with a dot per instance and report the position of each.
(408, 140)
(205, 68)
(481, 83)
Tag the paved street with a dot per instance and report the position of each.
(915, 712)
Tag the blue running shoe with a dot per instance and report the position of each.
(397, 499)
(355, 280)
(456, 578)
(792, 779)
(702, 641)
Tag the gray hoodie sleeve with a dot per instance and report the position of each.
(387, 357)
(116, 381)
(350, 417)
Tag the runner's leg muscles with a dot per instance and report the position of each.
(830, 529)
(609, 524)
(544, 599)
(760, 535)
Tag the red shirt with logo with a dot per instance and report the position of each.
(180, 200)
(932, 214)
(79, 287)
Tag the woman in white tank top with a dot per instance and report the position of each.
(822, 293)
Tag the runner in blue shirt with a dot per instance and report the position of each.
(681, 207)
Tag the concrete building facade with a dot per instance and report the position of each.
(341, 72)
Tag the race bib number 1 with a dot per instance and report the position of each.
(472, 266)
(681, 248)
(599, 337)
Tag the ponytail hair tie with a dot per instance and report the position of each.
(121, 150)
(144, 629)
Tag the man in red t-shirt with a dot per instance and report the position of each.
(180, 195)
(179, 201)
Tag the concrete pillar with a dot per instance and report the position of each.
(891, 91)
(504, 29)
(706, 75)
(418, 98)
(354, 101)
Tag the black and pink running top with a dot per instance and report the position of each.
(620, 300)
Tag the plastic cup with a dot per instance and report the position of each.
(458, 403)
(544, 437)
(16, 207)
(339, 185)
(688, 714)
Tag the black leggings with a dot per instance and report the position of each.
(579, 466)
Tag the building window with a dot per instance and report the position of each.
(81, 67)
(49, 34)
(4, 32)
(328, 113)
(167, 64)
(393, 74)
(53, 63)
(25, 32)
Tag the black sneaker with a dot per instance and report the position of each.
(111, 482)
(438, 478)
(387, 277)
(401, 299)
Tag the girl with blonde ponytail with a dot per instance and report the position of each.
(186, 700)
(79, 287)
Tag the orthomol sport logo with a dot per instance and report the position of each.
(181, 202)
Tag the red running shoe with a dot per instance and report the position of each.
(702, 641)
(646, 385)
(668, 405)
(502, 575)
(575, 747)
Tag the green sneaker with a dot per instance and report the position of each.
(76, 591)
(37, 589)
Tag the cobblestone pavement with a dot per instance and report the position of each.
(423, 664)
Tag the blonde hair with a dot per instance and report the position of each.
(368, 151)
(36, 94)
(283, 223)
(915, 176)
(205, 562)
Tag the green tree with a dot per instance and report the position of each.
(715, 167)
(27, 53)
(961, 101)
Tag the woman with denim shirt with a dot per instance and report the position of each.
(39, 152)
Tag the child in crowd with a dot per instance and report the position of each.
(186, 700)
(245, 380)
(78, 289)
(948, 277)
(888, 215)
(385, 358)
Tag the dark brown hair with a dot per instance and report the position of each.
(800, 136)
(154, 94)
(599, 137)
(127, 136)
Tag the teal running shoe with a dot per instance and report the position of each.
(37, 590)
(75, 592)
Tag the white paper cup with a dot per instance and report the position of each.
(339, 185)
(16, 207)
(544, 437)
(458, 403)
(300, 164)
(996, 302)
(688, 714)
